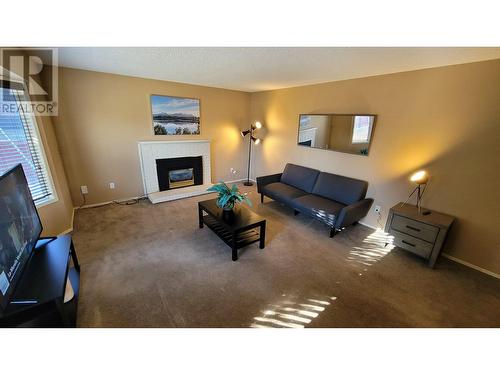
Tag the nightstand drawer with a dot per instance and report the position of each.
(410, 243)
(415, 228)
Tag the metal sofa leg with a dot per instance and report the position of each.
(261, 198)
(333, 232)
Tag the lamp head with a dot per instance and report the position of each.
(258, 125)
(244, 133)
(255, 140)
(420, 177)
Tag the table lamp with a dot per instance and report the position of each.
(420, 178)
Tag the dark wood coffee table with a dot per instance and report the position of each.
(236, 228)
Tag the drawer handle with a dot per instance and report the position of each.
(413, 228)
(408, 243)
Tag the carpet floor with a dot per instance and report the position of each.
(147, 265)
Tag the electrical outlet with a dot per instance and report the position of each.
(111, 185)
(234, 171)
(84, 189)
(378, 209)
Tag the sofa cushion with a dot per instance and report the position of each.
(320, 208)
(342, 189)
(302, 178)
(282, 192)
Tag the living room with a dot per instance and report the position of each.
(250, 187)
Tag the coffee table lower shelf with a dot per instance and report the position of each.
(242, 239)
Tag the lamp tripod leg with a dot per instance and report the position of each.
(411, 194)
(419, 198)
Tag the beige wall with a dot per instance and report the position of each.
(102, 117)
(446, 120)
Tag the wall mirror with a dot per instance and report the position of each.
(345, 133)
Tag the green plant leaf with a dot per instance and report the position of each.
(228, 196)
(224, 199)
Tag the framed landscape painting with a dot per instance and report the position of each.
(175, 116)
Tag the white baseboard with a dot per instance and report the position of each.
(93, 205)
(470, 265)
(239, 180)
(106, 203)
(368, 225)
(70, 229)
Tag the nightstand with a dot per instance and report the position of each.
(423, 235)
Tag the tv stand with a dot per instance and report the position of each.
(38, 300)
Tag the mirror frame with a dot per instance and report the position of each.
(338, 114)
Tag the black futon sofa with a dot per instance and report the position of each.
(337, 201)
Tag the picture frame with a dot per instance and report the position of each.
(174, 115)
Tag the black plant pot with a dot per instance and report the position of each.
(227, 214)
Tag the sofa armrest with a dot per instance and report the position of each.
(265, 180)
(353, 213)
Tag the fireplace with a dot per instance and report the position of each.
(154, 170)
(175, 173)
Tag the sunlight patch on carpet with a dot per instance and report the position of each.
(292, 312)
(373, 248)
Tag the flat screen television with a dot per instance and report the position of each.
(20, 228)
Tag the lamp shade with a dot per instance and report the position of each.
(244, 133)
(258, 125)
(420, 177)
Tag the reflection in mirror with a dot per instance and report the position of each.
(344, 133)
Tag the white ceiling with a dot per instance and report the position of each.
(264, 68)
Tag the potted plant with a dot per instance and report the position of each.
(228, 197)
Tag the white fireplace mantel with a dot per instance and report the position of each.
(149, 151)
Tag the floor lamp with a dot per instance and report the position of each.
(255, 140)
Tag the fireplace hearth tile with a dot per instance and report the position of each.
(173, 194)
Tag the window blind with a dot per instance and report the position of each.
(20, 144)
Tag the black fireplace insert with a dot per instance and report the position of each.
(174, 173)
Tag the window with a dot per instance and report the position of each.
(20, 143)
(362, 129)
